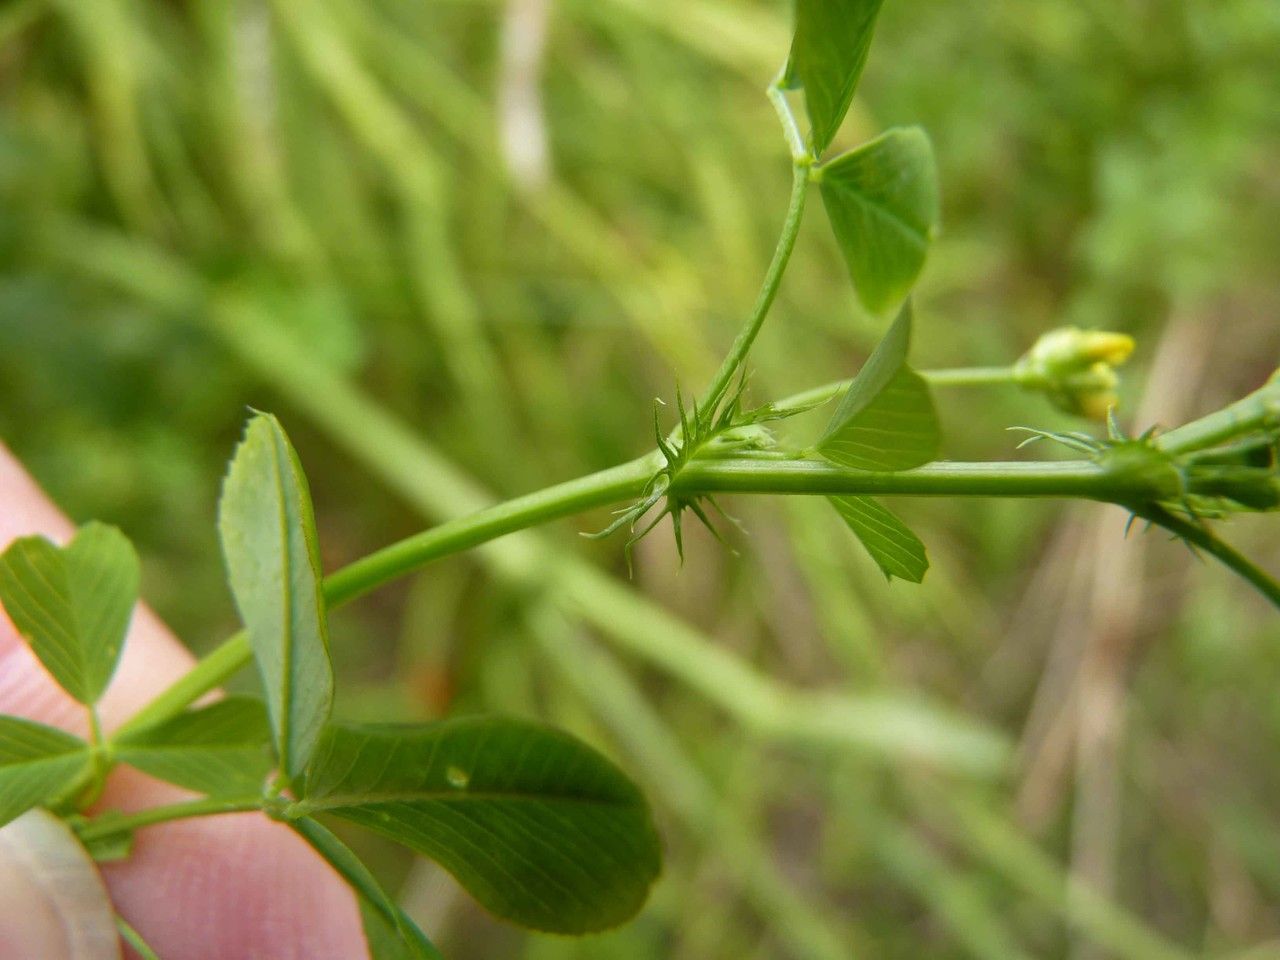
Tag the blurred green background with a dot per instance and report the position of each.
(460, 245)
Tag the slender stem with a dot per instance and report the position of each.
(113, 823)
(134, 939)
(1200, 536)
(617, 484)
(970, 376)
(214, 668)
(1068, 478)
(1076, 479)
(800, 153)
(955, 377)
(768, 290)
(100, 764)
(1259, 410)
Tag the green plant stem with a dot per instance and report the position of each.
(1258, 411)
(1070, 479)
(134, 940)
(112, 823)
(100, 764)
(970, 376)
(955, 377)
(768, 291)
(1067, 478)
(800, 153)
(214, 668)
(1198, 535)
(615, 485)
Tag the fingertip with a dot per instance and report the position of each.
(237, 885)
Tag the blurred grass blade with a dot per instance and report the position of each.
(896, 550)
(269, 541)
(538, 827)
(899, 725)
(882, 200)
(828, 53)
(389, 933)
(886, 419)
(36, 764)
(73, 603)
(219, 750)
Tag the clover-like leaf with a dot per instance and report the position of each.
(886, 420)
(273, 561)
(540, 828)
(220, 749)
(896, 550)
(882, 201)
(73, 604)
(828, 52)
(37, 763)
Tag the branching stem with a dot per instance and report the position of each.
(1075, 479)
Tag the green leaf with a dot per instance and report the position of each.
(896, 550)
(220, 750)
(390, 934)
(269, 541)
(37, 763)
(73, 603)
(540, 828)
(882, 201)
(886, 419)
(828, 52)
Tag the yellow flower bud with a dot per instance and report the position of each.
(1075, 369)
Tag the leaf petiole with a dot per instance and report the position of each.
(109, 825)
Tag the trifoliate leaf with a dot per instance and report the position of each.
(269, 541)
(882, 200)
(73, 603)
